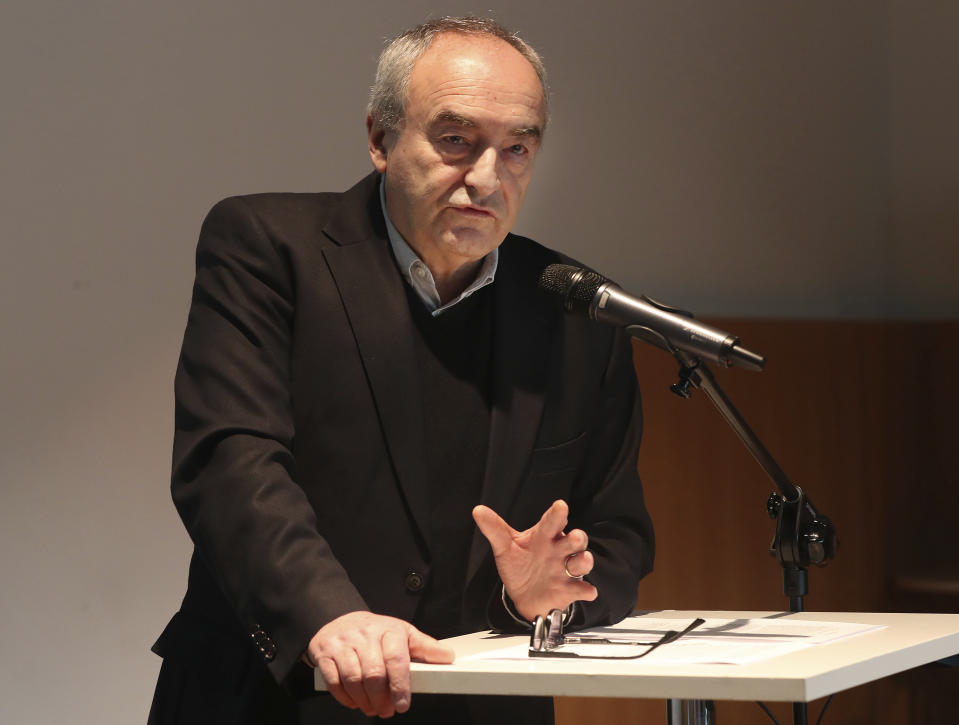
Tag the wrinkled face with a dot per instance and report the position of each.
(457, 169)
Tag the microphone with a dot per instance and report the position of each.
(588, 293)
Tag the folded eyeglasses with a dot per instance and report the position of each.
(548, 637)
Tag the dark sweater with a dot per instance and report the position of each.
(454, 357)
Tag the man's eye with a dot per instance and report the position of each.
(517, 149)
(454, 140)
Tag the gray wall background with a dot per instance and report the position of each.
(745, 157)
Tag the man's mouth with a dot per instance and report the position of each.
(475, 211)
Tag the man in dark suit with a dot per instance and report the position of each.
(359, 371)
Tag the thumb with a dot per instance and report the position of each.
(498, 532)
(424, 648)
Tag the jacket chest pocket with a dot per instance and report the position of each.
(565, 457)
(552, 473)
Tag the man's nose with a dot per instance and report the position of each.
(483, 174)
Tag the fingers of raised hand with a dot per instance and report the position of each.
(552, 523)
(581, 591)
(579, 564)
(575, 542)
(494, 528)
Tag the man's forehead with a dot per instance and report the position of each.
(458, 63)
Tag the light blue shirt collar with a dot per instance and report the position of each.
(415, 271)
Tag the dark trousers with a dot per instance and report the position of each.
(246, 694)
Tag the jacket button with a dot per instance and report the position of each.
(415, 581)
(264, 643)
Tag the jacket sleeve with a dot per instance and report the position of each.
(606, 498)
(607, 502)
(234, 479)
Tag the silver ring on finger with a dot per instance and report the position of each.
(566, 567)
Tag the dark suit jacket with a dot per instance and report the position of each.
(298, 464)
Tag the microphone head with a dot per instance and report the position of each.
(574, 285)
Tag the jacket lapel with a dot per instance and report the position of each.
(372, 292)
(523, 331)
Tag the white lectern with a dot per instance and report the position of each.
(904, 642)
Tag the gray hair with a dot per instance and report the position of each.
(389, 92)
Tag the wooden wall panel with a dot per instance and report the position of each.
(862, 415)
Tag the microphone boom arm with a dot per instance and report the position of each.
(803, 536)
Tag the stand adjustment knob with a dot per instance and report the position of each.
(815, 542)
(774, 504)
(682, 388)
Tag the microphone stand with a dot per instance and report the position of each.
(803, 535)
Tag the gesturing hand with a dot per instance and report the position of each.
(535, 564)
(365, 660)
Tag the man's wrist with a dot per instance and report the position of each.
(515, 615)
(511, 610)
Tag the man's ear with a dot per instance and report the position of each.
(376, 136)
